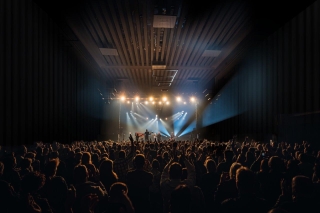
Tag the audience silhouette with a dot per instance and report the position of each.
(167, 176)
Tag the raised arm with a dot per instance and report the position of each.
(131, 141)
(165, 173)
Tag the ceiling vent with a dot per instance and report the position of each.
(108, 51)
(211, 53)
(163, 21)
(159, 67)
(164, 77)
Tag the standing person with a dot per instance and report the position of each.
(155, 137)
(158, 137)
(107, 174)
(172, 136)
(121, 165)
(138, 182)
(137, 136)
(146, 135)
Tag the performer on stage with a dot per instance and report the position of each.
(158, 137)
(172, 136)
(137, 136)
(146, 135)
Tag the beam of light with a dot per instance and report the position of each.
(146, 125)
(152, 125)
(147, 109)
(223, 106)
(188, 129)
(179, 122)
(164, 127)
(129, 123)
(134, 119)
(141, 117)
(163, 134)
(175, 116)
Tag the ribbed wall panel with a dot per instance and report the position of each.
(279, 78)
(47, 93)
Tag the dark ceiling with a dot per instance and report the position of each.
(121, 40)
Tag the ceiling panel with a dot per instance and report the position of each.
(227, 26)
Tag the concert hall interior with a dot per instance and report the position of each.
(252, 68)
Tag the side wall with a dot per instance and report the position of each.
(47, 92)
(277, 82)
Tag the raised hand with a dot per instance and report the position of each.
(131, 138)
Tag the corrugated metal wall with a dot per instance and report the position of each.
(279, 77)
(47, 92)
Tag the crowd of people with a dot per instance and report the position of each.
(168, 176)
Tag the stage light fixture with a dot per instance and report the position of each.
(164, 98)
(151, 98)
(167, 103)
(137, 99)
(192, 99)
(178, 99)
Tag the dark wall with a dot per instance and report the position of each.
(47, 92)
(279, 78)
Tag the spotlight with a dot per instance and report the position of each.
(178, 99)
(122, 98)
(160, 102)
(128, 102)
(167, 103)
(151, 98)
(146, 102)
(137, 99)
(184, 103)
(164, 98)
(147, 118)
(153, 102)
(166, 118)
(192, 99)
